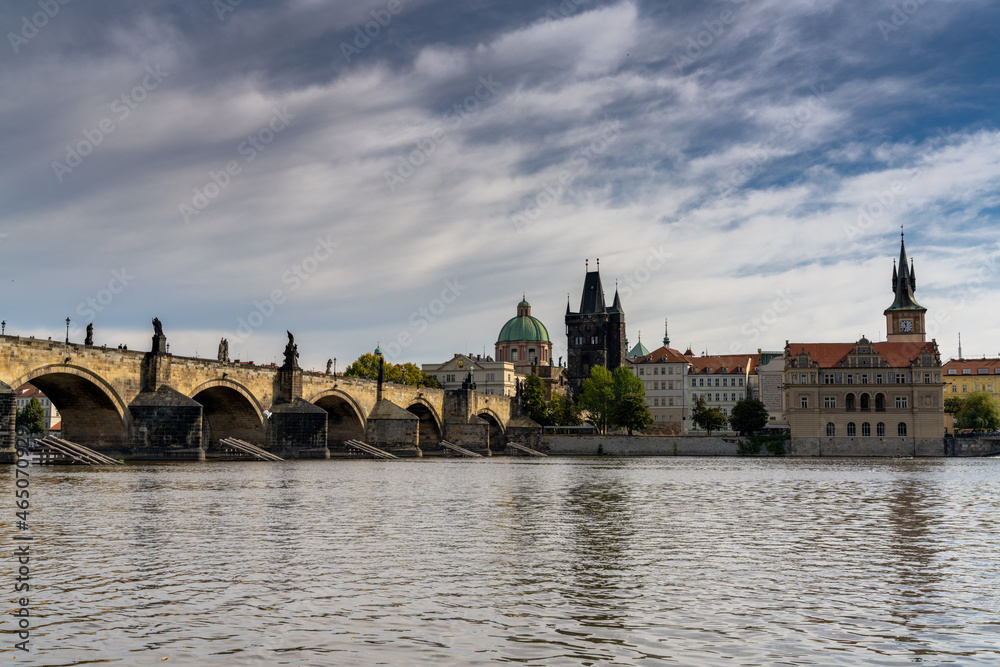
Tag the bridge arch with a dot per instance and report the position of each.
(430, 421)
(229, 410)
(497, 431)
(93, 412)
(345, 418)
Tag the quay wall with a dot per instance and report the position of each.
(640, 445)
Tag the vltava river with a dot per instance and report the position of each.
(684, 561)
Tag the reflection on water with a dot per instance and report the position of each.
(541, 562)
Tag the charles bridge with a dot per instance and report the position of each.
(155, 405)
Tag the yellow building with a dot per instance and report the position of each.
(962, 376)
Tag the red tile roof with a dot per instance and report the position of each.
(661, 355)
(29, 391)
(829, 355)
(733, 363)
(973, 365)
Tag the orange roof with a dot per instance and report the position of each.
(661, 355)
(991, 365)
(829, 355)
(29, 391)
(733, 363)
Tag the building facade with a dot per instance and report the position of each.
(722, 381)
(490, 377)
(663, 373)
(595, 334)
(962, 376)
(866, 398)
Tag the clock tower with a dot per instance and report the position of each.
(904, 319)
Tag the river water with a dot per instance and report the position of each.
(596, 561)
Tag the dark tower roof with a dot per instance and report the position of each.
(904, 282)
(617, 306)
(593, 294)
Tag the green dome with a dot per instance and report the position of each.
(523, 328)
(524, 304)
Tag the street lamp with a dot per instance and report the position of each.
(335, 367)
(3, 327)
(67, 331)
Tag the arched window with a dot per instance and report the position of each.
(901, 429)
(880, 429)
(850, 430)
(849, 400)
(864, 403)
(866, 429)
(831, 430)
(879, 402)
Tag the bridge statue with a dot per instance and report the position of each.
(157, 327)
(329, 362)
(89, 340)
(291, 352)
(224, 350)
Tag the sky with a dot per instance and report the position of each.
(399, 172)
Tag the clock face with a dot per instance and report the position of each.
(906, 325)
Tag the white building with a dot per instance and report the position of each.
(491, 377)
(722, 380)
(663, 372)
(28, 391)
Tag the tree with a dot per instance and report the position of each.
(953, 404)
(32, 417)
(430, 382)
(748, 415)
(632, 412)
(979, 411)
(533, 393)
(561, 411)
(707, 418)
(597, 397)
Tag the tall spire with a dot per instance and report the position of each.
(666, 336)
(903, 282)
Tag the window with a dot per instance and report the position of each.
(966, 371)
(878, 378)
(694, 398)
(829, 401)
(952, 371)
(741, 382)
(725, 382)
(656, 371)
(866, 430)
(716, 396)
(670, 370)
(849, 400)
(927, 378)
(850, 378)
(865, 407)
(827, 378)
(880, 429)
(879, 403)
(642, 371)
(694, 382)
(901, 430)
(954, 389)
(805, 401)
(901, 401)
(701, 382)
(716, 382)
(850, 430)
(983, 371)
(900, 378)
(656, 402)
(965, 388)
(803, 380)
(831, 430)
(670, 400)
(864, 378)
(670, 384)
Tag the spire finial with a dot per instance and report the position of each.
(598, 263)
(586, 264)
(640, 334)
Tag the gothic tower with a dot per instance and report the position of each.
(595, 334)
(904, 319)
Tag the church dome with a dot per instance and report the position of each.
(523, 327)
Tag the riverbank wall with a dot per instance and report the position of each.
(639, 445)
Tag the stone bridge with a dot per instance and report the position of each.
(154, 405)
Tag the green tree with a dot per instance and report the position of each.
(979, 411)
(32, 417)
(430, 382)
(748, 415)
(533, 393)
(597, 397)
(632, 412)
(953, 404)
(707, 418)
(412, 375)
(367, 366)
(562, 411)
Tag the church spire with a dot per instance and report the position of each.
(666, 336)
